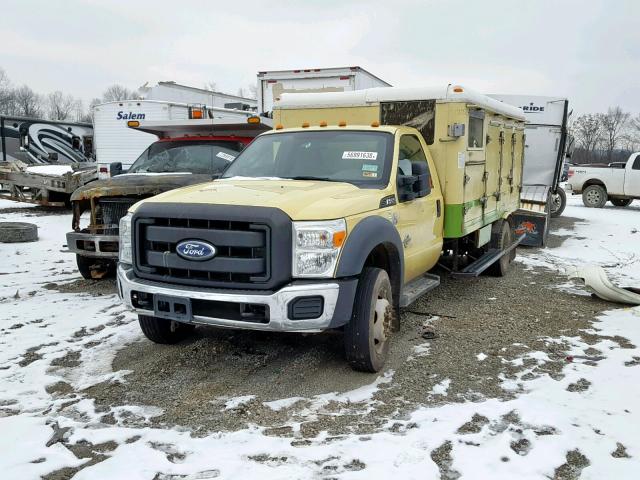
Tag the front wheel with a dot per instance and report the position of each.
(166, 332)
(594, 196)
(366, 336)
(93, 269)
(558, 202)
(621, 202)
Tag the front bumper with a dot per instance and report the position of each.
(93, 245)
(337, 295)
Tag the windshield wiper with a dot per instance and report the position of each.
(310, 177)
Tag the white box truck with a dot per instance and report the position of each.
(115, 142)
(271, 84)
(546, 149)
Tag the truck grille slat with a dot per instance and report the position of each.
(111, 210)
(244, 240)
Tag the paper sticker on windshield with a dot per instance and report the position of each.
(369, 168)
(225, 156)
(369, 174)
(359, 155)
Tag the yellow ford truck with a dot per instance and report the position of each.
(333, 220)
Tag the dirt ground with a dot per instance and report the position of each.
(480, 326)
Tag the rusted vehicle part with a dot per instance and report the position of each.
(43, 188)
(596, 279)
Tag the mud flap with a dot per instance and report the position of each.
(533, 225)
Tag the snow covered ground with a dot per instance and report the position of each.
(584, 424)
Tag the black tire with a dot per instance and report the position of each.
(366, 336)
(164, 332)
(594, 196)
(558, 202)
(621, 202)
(501, 238)
(94, 269)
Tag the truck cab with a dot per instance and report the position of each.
(185, 153)
(326, 225)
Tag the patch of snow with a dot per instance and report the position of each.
(481, 356)
(441, 387)
(57, 170)
(278, 405)
(235, 402)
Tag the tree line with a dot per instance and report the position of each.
(605, 137)
(23, 101)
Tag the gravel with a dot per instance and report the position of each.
(502, 318)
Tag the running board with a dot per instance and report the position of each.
(475, 268)
(418, 287)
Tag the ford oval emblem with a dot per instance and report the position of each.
(195, 250)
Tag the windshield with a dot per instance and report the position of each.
(192, 156)
(361, 158)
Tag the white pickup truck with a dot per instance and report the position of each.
(617, 182)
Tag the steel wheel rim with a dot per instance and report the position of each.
(380, 325)
(593, 197)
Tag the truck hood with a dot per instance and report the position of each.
(143, 184)
(300, 199)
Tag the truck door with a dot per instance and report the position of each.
(632, 177)
(419, 220)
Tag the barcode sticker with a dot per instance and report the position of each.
(225, 156)
(359, 155)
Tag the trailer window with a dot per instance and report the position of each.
(476, 129)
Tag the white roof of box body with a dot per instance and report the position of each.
(394, 94)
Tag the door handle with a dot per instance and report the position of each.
(438, 212)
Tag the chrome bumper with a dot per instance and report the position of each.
(96, 240)
(276, 301)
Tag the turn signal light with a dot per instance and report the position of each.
(338, 238)
(133, 123)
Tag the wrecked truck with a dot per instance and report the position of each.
(186, 153)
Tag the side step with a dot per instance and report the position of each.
(474, 269)
(418, 287)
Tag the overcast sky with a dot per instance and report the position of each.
(586, 50)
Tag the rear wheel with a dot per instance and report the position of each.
(366, 336)
(166, 332)
(94, 268)
(558, 202)
(621, 202)
(594, 196)
(501, 238)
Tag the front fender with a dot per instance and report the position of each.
(368, 234)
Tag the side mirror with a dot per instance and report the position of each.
(416, 185)
(115, 168)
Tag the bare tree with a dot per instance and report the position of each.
(212, 85)
(614, 123)
(6, 93)
(28, 102)
(118, 92)
(61, 106)
(253, 91)
(588, 131)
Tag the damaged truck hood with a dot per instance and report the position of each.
(143, 184)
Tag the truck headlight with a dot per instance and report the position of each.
(125, 239)
(316, 247)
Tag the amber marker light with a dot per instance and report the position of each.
(253, 119)
(338, 238)
(342, 123)
(305, 125)
(279, 126)
(133, 123)
(323, 123)
(375, 124)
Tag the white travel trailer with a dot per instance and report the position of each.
(115, 142)
(273, 83)
(547, 146)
